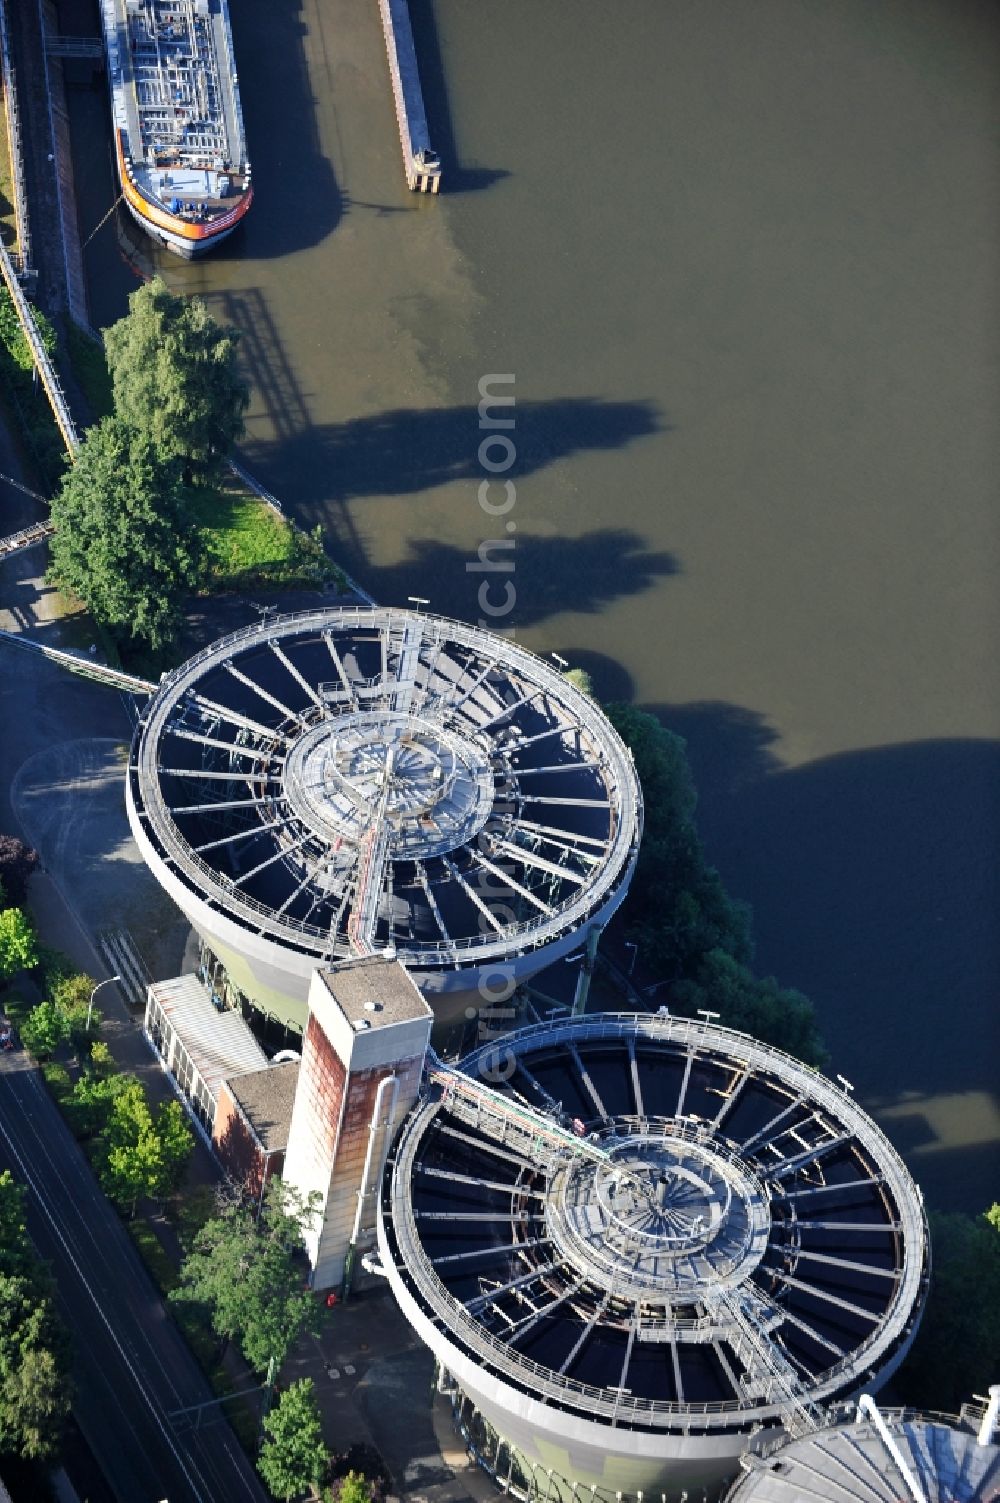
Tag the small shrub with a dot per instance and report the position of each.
(59, 1081)
(101, 1061)
(17, 862)
(18, 942)
(44, 1029)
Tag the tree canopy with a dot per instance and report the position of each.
(124, 541)
(34, 1384)
(18, 942)
(757, 1005)
(293, 1457)
(689, 930)
(354, 1488)
(678, 909)
(17, 862)
(140, 1153)
(246, 1271)
(957, 1350)
(44, 1029)
(175, 380)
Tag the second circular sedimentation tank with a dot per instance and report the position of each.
(345, 782)
(859, 1461)
(663, 1239)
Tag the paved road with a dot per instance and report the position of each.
(132, 1369)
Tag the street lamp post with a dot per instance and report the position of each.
(631, 945)
(90, 1005)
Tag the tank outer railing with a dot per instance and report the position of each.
(452, 1317)
(615, 764)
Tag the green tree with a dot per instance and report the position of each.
(17, 862)
(44, 1029)
(957, 1350)
(34, 1385)
(580, 679)
(678, 909)
(354, 1488)
(174, 378)
(293, 1458)
(756, 1005)
(18, 942)
(94, 1094)
(101, 1062)
(247, 1273)
(134, 1163)
(176, 1144)
(63, 1016)
(124, 540)
(71, 993)
(15, 1250)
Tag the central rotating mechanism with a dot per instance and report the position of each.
(354, 781)
(431, 787)
(663, 1217)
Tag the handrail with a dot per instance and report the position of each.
(413, 1265)
(86, 666)
(14, 142)
(27, 537)
(39, 354)
(615, 766)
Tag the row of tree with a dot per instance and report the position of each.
(34, 1359)
(137, 1153)
(689, 930)
(126, 540)
(63, 1017)
(245, 1271)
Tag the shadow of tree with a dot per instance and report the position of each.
(299, 202)
(411, 449)
(550, 575)
(875, 890)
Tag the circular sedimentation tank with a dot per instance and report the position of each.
(851, 1462)
(659, 1240)
(357, 781)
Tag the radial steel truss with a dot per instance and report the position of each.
(370, 779)
(719, 1204)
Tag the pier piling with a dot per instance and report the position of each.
(421, 163)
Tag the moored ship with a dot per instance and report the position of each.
(175, 105)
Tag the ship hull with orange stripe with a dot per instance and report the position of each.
(179, 145)
(184, 238)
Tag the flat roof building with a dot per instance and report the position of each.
(252, 1123)
(198, 1045)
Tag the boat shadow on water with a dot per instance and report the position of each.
(298, 200)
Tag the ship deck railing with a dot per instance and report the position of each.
(165, 82)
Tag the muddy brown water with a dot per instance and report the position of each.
(741, 261)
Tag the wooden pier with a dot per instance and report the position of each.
(421, 163)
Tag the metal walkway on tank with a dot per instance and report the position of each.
(390, 700)
(510, 1274)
